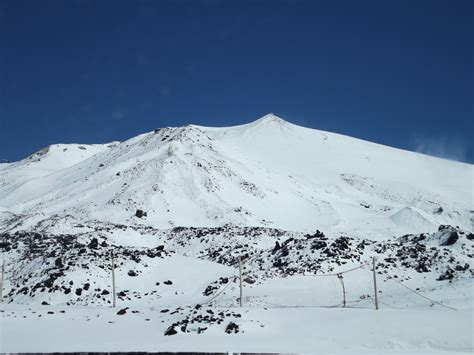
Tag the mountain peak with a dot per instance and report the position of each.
(270, 117)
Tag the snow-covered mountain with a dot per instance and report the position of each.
(265, 173)
(172, 211)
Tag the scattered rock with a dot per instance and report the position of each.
(249, 280)
(276, 247)
(232, 328)
(448, 275)
(122, 311)
(171, 330)
(94, 243)
(59, 263)
(438, 211)
(140, 213)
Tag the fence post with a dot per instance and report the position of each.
(340, 277)
(113, 278)
(43, 255)
(1, 287)
(240, 279)
(375, 285)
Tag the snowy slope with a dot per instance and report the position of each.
(266, 173)
(47, 161)
(297, 205)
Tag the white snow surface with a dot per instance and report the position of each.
(265, 173)
(291, 330)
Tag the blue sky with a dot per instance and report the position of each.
(398, 73)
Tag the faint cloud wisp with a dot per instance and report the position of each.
(441, 147)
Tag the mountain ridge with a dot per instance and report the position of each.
(268, 118)
(251, 174)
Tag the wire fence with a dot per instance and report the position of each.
(354, 287)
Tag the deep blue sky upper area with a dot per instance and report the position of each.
(398, 73)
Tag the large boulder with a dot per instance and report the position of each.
(447, 235)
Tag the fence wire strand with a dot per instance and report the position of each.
(337, 273)
(419, 294)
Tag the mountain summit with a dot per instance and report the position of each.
(270, 118)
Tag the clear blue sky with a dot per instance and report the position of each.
(395, 72)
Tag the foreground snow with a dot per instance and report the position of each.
(301, 330)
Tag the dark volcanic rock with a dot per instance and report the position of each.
(171, 330)
(140, 213)
(209, 290)
(59, 263)
(122, 311)
(232, 328)
(318, 235)
(462, 268)
(249, 280)
(276, 247)
(319, 244)
(449, 238)
(448, 275)
(94, 243)
(439, 210)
